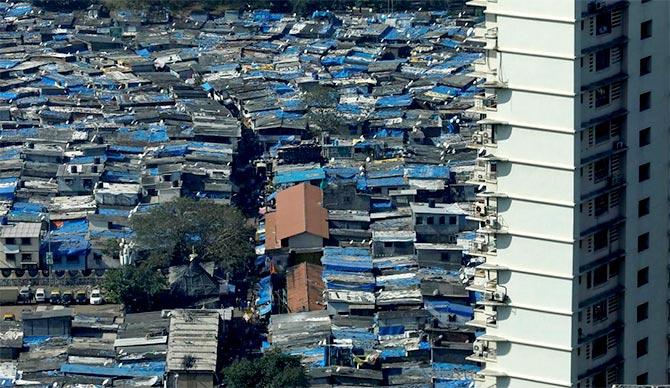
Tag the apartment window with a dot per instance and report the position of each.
(419, 220)
(600, 275)
(25, 240)
(26, 257)
(643, 276)
(10, 257)
(645, 29)
(600, 311)
(645, 65)
(642, 379)
(642, 347)
(599, 347)
(602, 96)
(601, 204)
(10, 241)
(388, 244)
(644, 172)
(645, 136)
(642, 311)
(452, 220)
(601, 169)
(602, 59)
(643, 242)
(430, 220)
(602, 132)
(600, 239)
(643, 207)
(614, 268)
(599, 379)
(441, 220)
(603, 23)
(645, 101)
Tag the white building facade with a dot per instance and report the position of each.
(574, 193)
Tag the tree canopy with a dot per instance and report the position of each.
(273, 370)
(170, 232)
(137, 287)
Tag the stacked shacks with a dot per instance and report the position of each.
(383, 99)
(358, 128)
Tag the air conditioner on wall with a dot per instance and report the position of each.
(478, 348)
(500, 294)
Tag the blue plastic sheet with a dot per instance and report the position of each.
(146, 369)
(297, 176)
(400, 101)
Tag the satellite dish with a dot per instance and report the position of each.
(470, 31)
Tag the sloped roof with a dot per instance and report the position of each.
(299, 210)
(305, 286)
(193, 281)
(21, 229)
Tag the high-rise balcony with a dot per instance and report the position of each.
(483, 350)
(483, 245)
(603, 22)
(483, 208)
(484, 316)
(484, 104)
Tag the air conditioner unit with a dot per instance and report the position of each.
(478, 348)
(500, 294)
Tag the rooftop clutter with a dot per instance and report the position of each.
(389, 106)
(356, 126)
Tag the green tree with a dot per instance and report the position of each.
(327, 120)
(110, 247)
(137, 287)
(170, 232)
(319, 96)
(273, 370)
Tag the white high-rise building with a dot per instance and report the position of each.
(573, 171)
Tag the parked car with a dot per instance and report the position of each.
(40, 295)
(67, 298)
(54, 297)
(80, 297)
(8, 317)
(96, 297)
(24, 294)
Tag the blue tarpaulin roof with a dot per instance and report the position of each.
(297, 176)
(148, 369)
(427, 171)
(264, 300)
(347, 259)
(403, 100)
(69, 227)
(386, 182)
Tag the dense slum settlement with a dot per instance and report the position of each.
(362, 129)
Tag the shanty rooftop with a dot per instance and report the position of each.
(193, 341)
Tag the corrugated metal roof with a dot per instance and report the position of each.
(21, 229)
